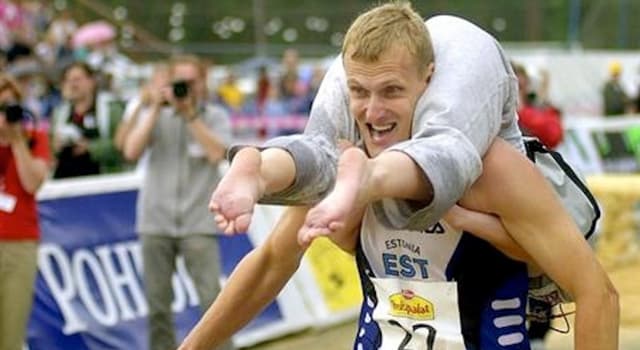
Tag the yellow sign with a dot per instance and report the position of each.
(408, 304)
(336, 274)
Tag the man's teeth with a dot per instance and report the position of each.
(382, 128)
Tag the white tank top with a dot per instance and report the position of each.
(405, 254)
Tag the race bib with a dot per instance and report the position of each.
(418, 315)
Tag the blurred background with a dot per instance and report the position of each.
(236, 30)
(578, 65)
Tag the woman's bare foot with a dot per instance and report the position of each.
(236, 195)
(350, 194)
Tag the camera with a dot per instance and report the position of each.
(14, 113)
(180, 88)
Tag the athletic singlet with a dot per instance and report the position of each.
(437, 289)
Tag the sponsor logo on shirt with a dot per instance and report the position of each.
(410, 305)
(435, 229)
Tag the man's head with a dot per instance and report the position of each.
(78, 82)
(190, 70)
(388, 59)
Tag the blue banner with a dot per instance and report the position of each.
(89, 292)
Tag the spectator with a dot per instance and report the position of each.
(636, 100)
(263, 86)
(30, 77)
(15, 24)
(24, 154)
(185, 141)
(61, 28)
(537, 116)
(229, 93)
(82, 129)
(292, 87)
(616, 100)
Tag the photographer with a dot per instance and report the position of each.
(24, 155)
(185, 138)
(83, 128)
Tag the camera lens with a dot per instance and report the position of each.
(180, 89)
(14, 113)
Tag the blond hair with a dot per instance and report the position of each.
(188, 59)
(384, 26)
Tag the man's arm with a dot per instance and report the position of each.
(138, 138)
(254, 283)
(259, 277)
(32, 167)
(513, 189)
(129, 119)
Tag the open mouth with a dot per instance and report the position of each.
(378, 132)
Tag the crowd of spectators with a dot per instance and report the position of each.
(65, 112)
(71, 76)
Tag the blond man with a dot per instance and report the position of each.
(425, 119)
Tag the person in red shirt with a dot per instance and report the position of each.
(24, 158)
(536, 116)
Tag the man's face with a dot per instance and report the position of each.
(191, 74)
(383, 97)
(77, 84)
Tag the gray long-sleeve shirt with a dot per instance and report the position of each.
(178, 178)
(470, 100)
